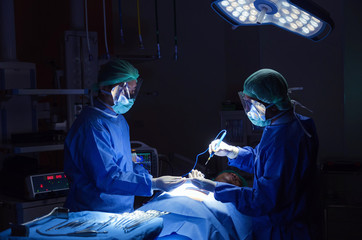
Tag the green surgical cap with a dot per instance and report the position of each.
(116, 71)
(268, 86)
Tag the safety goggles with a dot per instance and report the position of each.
(249, 103)
(125, 91)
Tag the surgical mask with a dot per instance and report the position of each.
(123, 98)
(121, 94)
(121, 108)
(256, 111)
(256, 114)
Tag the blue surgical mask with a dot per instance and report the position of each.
(121, 101)
(121, 108)
(256, 115)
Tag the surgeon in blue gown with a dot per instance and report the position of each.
(283, 163)
(98, 159)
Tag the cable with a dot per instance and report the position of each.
(197, 156)
(157, 32)
(105, 29)
(86, 29)
(217, 145)
(120, 21)
(175, 29)
(139, 24)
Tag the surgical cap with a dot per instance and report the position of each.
(116, 71)
(268, 86)
(237, 172)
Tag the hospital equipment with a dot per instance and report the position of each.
(129, 225)
(41, 186)
(139, 26)
(108, 56)
(197, 156)
(304, 18)
(157, 31)
(87, 233)
(218, 144)
(23, 229)
(58, 212)
(147, 157)
(175, 56)
(120, 21)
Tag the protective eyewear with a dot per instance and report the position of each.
(249, 103)
(125, 91)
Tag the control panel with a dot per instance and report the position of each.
(47, 185)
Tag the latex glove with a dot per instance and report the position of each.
(135, 158)
(223, 149)
(204, 183)
(167, 183)
(196, 174)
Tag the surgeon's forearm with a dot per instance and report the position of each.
(245, 159)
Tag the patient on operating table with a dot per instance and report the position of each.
(195, 214)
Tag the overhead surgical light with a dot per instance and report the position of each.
(301, 17)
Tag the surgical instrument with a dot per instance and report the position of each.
(56, 225)
(111, 218)
(23, 229)
(88, 233)
(217, 146)
(70, 224)
(58, 212)
(150, 214)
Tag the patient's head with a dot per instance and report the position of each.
(233, 176)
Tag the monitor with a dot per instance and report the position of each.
(240, 131)
(148, 157)
(234, 122)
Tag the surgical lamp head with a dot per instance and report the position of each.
(304, 18)
(268, 86)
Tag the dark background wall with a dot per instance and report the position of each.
(178, 109)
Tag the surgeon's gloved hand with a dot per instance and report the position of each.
(204, 183)
(196, 174)
(223, 149)
(167, 183)
(135, 158)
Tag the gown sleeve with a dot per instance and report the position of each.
(264, 195)
(245, 159)
(108, 167)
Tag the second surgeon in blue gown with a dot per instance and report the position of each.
(98, 159)
(283, 163)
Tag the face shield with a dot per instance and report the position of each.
(253, 108)
(125, 91)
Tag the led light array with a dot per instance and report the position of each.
(286, 15)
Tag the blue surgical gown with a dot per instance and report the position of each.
(98, 163)
(283, 164)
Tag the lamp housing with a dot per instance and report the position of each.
(304, 18)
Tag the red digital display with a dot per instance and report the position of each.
(49, 183)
